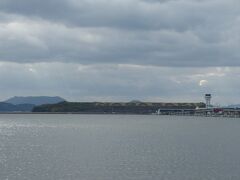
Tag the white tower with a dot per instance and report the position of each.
(208, 100)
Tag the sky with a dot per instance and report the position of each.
(121, 50)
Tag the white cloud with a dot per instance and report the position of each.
(186, 33)
(203, 82)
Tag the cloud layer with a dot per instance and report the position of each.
(189, 33)
(90, 50)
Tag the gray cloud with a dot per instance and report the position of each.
(121, 82)
(153, 50)
(165, 33)
(134, 14)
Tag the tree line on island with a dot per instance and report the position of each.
(112, 107)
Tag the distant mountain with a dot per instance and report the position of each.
(35, 100)
(7, 107)
(234, 106)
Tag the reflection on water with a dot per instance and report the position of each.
(119, 147)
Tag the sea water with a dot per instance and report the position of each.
(118, 147)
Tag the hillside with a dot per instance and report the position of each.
(35, 100)
(7, 107)
(109, 108)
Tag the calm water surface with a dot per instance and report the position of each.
(118, 147)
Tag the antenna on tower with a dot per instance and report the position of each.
(208, 100)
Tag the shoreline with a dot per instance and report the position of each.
(83, 113)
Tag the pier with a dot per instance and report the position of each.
(206, 112)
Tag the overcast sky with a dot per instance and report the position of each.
(120, 50)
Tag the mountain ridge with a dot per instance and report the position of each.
(234, 106)
(35, 100)
(7, 107)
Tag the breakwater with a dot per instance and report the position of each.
(207, 112)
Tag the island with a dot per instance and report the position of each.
(114, 107)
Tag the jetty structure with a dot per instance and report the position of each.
(214, 111)
(208, 110)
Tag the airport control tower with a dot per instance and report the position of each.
(208, 100)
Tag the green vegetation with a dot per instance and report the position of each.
(116, 107)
